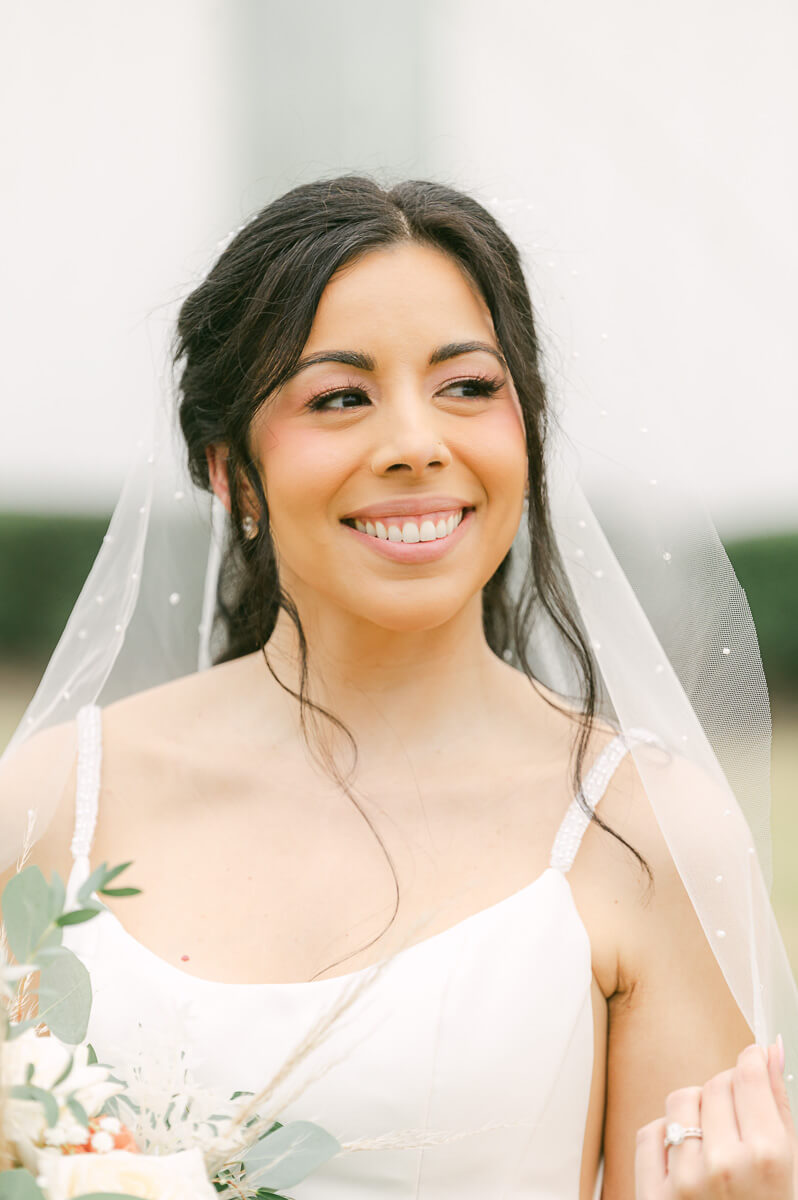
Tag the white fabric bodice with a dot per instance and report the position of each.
(489, 1021)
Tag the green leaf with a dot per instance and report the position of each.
(77, 1110)
(29, 1072)
(126, 891)
(112, 874)
(300, 1146)
(27, 1091)
(64, 1073)
(91, 1058)
(57, 895)
(77, 916)
(94, 880)
(19, 1184)
(26, 912)
(65, 996)
(106, 1196)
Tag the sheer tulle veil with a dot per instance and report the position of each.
(672, 636)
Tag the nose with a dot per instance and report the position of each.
(409, 442)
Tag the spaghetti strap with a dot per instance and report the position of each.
(87, 792)
(576, 820)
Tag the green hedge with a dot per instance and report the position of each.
(767, 568)
(44, 561)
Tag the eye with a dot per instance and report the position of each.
(479, 385)
(323, 401)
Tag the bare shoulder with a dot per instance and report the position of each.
(650, 917)
(144, 737)
(37, 785)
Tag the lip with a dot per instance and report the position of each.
(407, 506)
(414, 552)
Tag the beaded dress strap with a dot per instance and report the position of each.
(87, 792)
(576, 820)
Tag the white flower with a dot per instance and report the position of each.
(75, 1133)
(25, 1119)
(56, 1136)
(180, 1176)
(88, 1082)
(102, 1142)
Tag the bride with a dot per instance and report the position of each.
(369, 771)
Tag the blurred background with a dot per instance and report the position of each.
(643, 156)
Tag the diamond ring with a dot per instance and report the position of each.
(676, 1133)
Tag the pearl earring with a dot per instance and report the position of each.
(250, 528)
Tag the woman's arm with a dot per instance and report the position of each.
(673, 1023)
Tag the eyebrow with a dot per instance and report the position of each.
(364, 362)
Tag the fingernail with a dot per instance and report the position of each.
(780, 1044)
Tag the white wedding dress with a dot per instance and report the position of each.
(489, 1021)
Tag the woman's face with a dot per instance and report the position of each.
(395, 482)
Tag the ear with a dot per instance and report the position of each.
(216, 455)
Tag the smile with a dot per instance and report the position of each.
(419, 538)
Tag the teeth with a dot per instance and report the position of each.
(410, 531)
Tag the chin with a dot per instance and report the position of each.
(411, 614)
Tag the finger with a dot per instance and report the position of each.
(650, 1166)
(684, 1162)
(758, 1117)
(719, 1121)
(779, 1089)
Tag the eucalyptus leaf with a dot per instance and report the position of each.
(77, 916)
(19, 1184)
(114, 871)
(300, 1146)
(124, 891)
(64, 1073)
(65, 996)
(107, 1196)
(77, 1110)
(92, 883)
(91, 1056)
(27, 1091)
(29, 1071)
(57, 895)
(26, 912)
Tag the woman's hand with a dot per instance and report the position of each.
(749, 1150)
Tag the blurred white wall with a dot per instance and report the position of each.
(644, 156)
(135, 137)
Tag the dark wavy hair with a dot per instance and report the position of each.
(242, 331)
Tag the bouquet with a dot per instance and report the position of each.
(69, 1127)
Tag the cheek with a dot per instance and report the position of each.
(501, 448)
(302, 469)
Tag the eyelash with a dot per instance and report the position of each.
(486, 386)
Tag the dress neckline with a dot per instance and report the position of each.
(404, 955)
